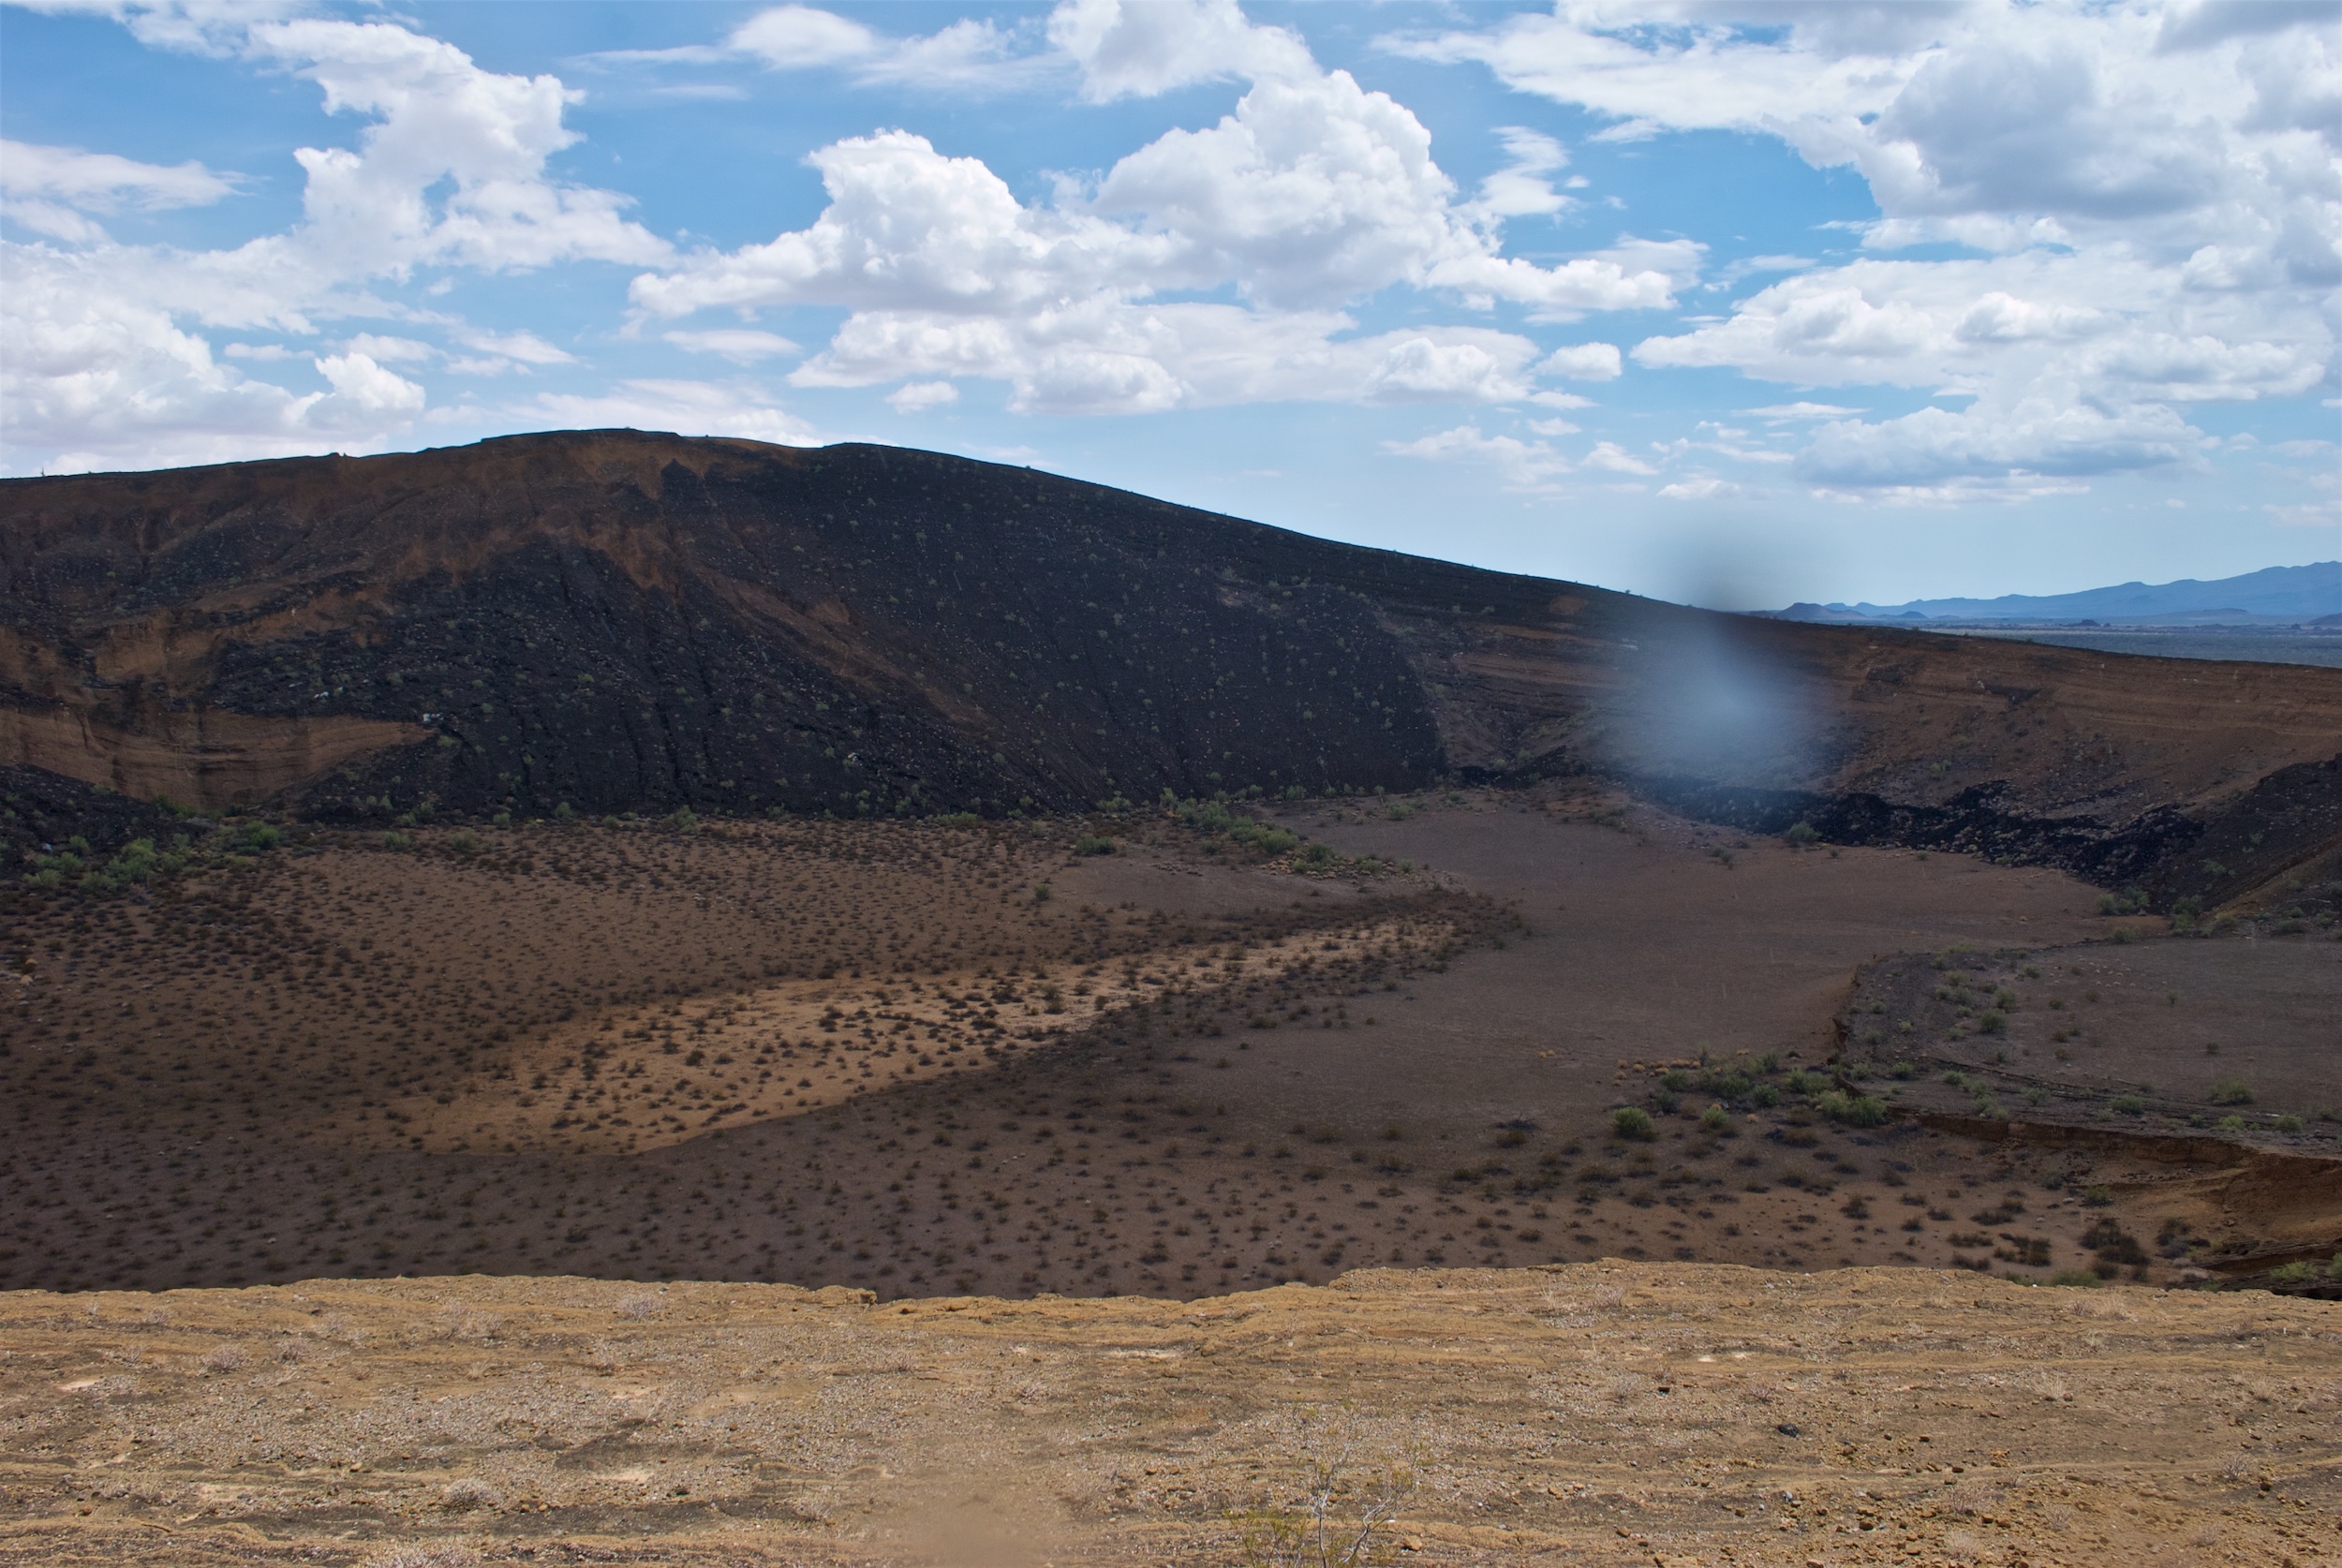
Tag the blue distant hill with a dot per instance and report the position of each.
(2279, 595)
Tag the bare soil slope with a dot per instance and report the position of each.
(1600, 1412)
(874, 1055)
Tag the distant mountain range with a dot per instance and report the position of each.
(2280, 594)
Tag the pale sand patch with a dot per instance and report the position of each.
(650, 1075)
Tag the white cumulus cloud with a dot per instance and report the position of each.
(1583, 362)
(804, 38)
(967, 55)
(679, 407)
(916, 396)
(1613, 458)
(1311, 194)
(97, 380)
(53, 190)
(741, 344)
(1530, 465)
(1142, 47)
(1705, 487)
(107, 360)
(2154, 191)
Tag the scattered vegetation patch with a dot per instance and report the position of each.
(1633, 1121)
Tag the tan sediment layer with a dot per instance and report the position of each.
(208, 758)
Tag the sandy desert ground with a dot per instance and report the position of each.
(875, 1055)
(1591, 1413)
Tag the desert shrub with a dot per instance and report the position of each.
(1213, 817)
(1725, 1083)
(1715, 1118)
(683, 820)
(465, 842)
(2230, 1123)
(135, 861)
(258, 836)
(1991, 1022)
(397, 840)
(467, 1493)
(2114, 1244)
(2097, 1195)
(1209, 816)
(2232, 1091)
(2300, 1272)
(1764, 1095)
(2077, 1279)
(563, 811)
(1665, 1102)
(1855, 1110)
(2128, 901)
(1674, 1082)
(1802, 833)
(1268, 840)
(1345, 1507)
(1632, 1121)
(2128, 1105)
(2289, 1124)
(1093, 844)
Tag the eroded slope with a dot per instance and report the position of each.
(619, 620)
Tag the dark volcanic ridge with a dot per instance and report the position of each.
(605, 622)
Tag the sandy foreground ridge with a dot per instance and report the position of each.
(1589, 1412)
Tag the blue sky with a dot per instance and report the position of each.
(1734, 303)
